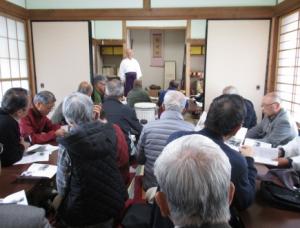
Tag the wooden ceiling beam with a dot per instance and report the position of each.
(13, 10)
(286, 7)
(154, 14)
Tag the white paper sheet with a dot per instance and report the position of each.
(256, 143)
(41, 148)
(36, 157)
(236, 141)
(40, 170)
(265, 155)
(15, 198)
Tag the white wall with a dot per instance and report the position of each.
(198, 29)
(210, 3)
(61, 54)
(83, 4)
(107, 29)
(156, 23)
(173, 50)
(237, 52)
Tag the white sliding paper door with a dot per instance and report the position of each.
(61, 56)
(237, 53)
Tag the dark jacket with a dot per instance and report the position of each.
(243, 172)
(250, 116)
(96, 190)
(123, 116)
(10, 138)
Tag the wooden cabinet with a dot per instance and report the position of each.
(112, 50)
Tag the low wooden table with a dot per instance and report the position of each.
(260, 214)
(10, 183)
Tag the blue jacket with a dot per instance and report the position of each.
(154, 138)
(243, 172)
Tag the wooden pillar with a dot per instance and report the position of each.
(124, 37)
(187, 58)
(147, 4)
(30, 57)
(272, 65)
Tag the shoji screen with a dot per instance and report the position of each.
(61, 56)
(237, 52)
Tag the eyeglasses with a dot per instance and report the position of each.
(267, 105)
(49, 107)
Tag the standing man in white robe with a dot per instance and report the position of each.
(129, 71)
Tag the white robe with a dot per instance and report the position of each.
(129, 65)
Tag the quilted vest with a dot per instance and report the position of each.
(96, 192)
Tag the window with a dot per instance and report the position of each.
(13, 55)
(288, 63)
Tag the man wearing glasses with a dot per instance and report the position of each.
(277, 127)
(36, 127)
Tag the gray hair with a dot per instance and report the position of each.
(274, 96)
(78, 108)
(99, 78)
(230, 90)
(194, 173)
(174, 100)
(85, 88)
(114, 88)
(44, 97)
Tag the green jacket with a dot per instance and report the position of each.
(137, 95)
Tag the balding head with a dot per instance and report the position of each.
(271, 104)
(85, 88)
(129, 53)
(230, 90)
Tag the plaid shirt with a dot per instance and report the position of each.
(63, 170)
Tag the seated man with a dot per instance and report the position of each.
(137, 94)
(88, 179)
(250, 115)
(173, 85)
(194, 178)
(289, 154)
(224, 118)
(118, 113)
(57, 117)
(13, 107)
(277, 127)
(99, 83)
(155, 134)
(36, 126)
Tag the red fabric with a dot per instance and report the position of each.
(38, 127)
(122, 154)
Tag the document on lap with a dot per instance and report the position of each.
(263, 152)
(40, 171)
(237, 140)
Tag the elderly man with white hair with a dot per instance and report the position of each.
(277, 127)
(155, 134)
(194, 178)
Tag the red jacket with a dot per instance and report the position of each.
(38, 127)
(122, 154)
